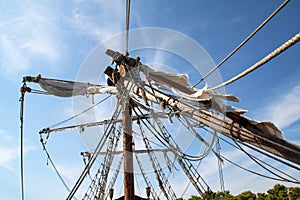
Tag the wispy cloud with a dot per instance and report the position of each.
(12, 58)
(43, 40)
(8, 153)
(7, 156)
(99, 19)
(69, 172)
(31, 33)
(9, 150)
(285, 110)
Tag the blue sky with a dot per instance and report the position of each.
(53, 38)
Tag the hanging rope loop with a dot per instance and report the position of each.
(242, 44)
(263, 61)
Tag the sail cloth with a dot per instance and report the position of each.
(265, 127)
(64, 88)
(179, 84)
(175, 81)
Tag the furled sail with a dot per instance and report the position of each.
(64, 88)
(160, 78)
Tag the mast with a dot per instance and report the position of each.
(127, 150)
(118, 77)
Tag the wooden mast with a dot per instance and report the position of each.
(115, 75)
(127, 151)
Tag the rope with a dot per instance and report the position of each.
(244, 42)
(263, 152)
(250, 171)
(94, 155)
(114, 178)
(127, 23)
(137, 183)
(101, 143)
(189, 127)
(66, 120)
(22, 98)
(53, 165)
(257, 161)
(263, 61)
(221, 177)
(39, 92)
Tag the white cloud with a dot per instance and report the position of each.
(99, 19)
(9, 150)
(7, 155)
(31, 33)
(285, 110)
(4, 136)
(69, 172)
(12, 58)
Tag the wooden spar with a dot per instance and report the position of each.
(235, 129)
(141, 151)
(99, 123)
(127, 151)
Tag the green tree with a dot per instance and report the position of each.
(224, 195)
(277, 192)
(261, 196)
(247, 195)
(195, 198)
(294, 193)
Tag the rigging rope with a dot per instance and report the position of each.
(53, 165)
(257, 160)
(263, 61)
(189, 183)
(115, 176)
(127, 23)
(271, 156)
(102, 141)
(221, 177)
(146, 179)
(263, 152)
(250, 171)
(250, 147)
(184, 162)
(23, 90)
(74, 116)
(98, 184)
(189, 127)
(94, 155)
(160, 175)
(244, 42)
(39, 92)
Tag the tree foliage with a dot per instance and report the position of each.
(277, 192)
